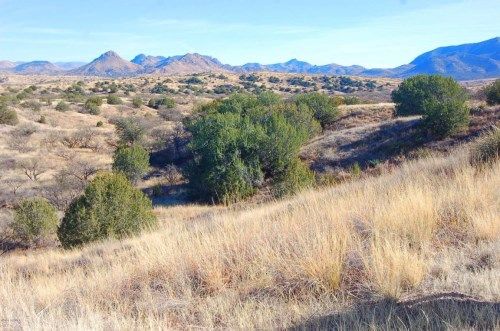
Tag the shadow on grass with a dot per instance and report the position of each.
(434, 312)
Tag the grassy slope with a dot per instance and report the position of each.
(362, 253)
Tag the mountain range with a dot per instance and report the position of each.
(462, 62)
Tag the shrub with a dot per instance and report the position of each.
(62, 106)
(32, 104)
(322, 105)
(164, 102)
(487, 149)
(239, 142)
(444, 118)
(492, 93)
(114, 100)
(8, 116)
(93, 104)
(99, 124)
(296, 176)
(132, 161)
(274, 80)
(137, 102)
(130, 131)
(34, 220)
(109, 208)
(412, 94)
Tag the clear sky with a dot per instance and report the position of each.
(373, 33)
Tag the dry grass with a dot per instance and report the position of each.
(349, 257)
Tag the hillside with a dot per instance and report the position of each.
(108, 64)
(414, 248)
(468, 61)
(37, 68)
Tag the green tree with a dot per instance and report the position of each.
(109, 208)
(34, 220)
(323, 107)
(412, 94)
(132, 161)
(239, 142)
(492, 93)
(444, 118)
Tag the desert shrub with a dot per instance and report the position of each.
(109, 208)
(8, 116)
(492, 93)
(42, 120)
(274, 80)
(82, 138)
(132, 161)
(239, 142)
(322, 105)
(194, 80)
(444, 118)
(163, 102)
(412, 94)
(93, 104)
(295, 177)
(114, 100)
(130, 131)
(99, 124)
(62, 106)
(32, 105)
(34, 220)
(487, 149)
(137, 102)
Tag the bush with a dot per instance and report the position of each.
(322, 105)
(296, 177)
(164, 102)
(239, 142)
(487, 149)
(32, 105)
(130, 131)
(93, 104)
(114, 100)
(34, 220)
(109, 208)
(62, 106)
(444, 118)
(137, 102)
(132, 161)
(8, 116)
(99, 124)
(412, 94)
(492, 93)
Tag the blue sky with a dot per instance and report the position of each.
(373, 33)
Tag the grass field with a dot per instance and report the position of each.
(413, 248)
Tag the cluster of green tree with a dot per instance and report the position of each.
(242, 142)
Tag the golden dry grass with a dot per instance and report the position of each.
(431, 226)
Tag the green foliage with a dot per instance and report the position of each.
(324, 108)
(444, 118)
(113, 99)
(8, 116)
(132, 161)
(62, 106)
(412, 94)
(163, 102)
(492, 93)
(130, 131)
(34, 220)
(487, 149)
(109, 208)
(239, 142)
(137, 102)
(93, 104)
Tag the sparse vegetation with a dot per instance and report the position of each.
(62, 106)
(8, 116)
(163, 102)
(487, 149)
(113, 99)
